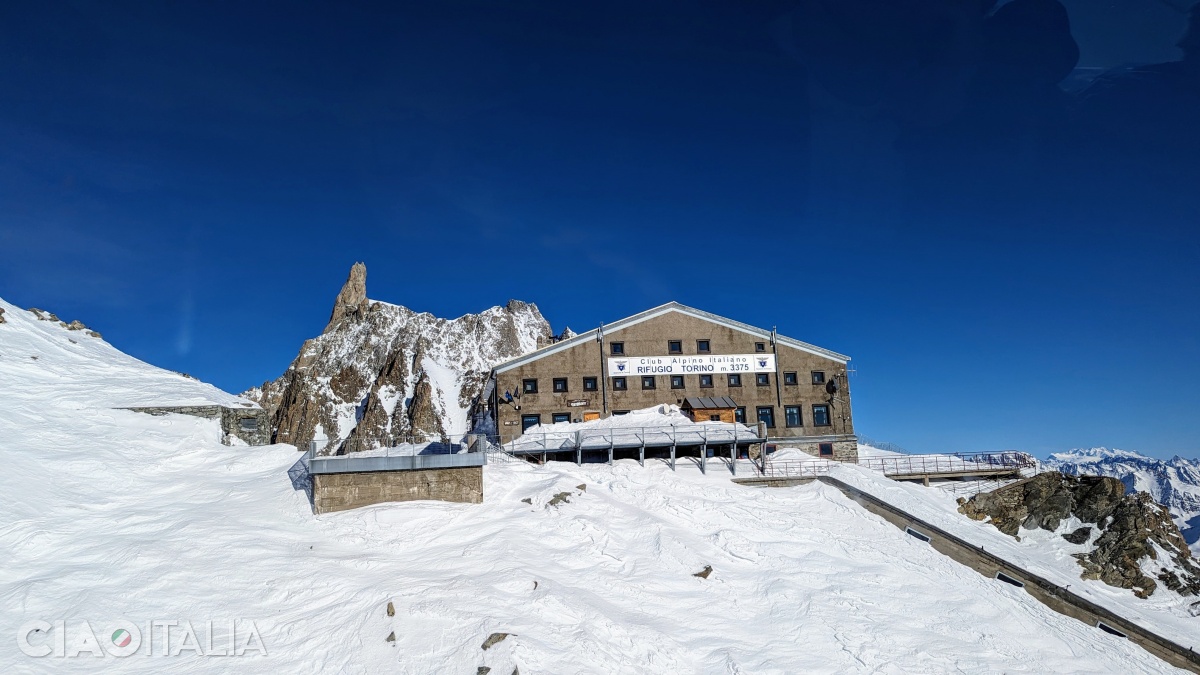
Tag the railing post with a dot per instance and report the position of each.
(704, 451)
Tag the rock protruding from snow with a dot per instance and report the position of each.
(382, 374)
(1137, 536)
(1174, 483)
(352, 300)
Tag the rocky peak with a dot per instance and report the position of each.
(352, 299)
(381, 374)
(1127, 536)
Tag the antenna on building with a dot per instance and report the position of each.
(600, 333)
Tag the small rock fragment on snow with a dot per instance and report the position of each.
(494, 639)
(703, 574)
(391, 609)
(559, 499)
(582, 487)
(528, 500)
(391, 637)
(482, 670)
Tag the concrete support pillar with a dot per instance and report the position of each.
(704, 457)
(642, 454)
(672, 454)
(610, 448)
(733, 458)
(578, 456)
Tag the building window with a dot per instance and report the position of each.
(791, 416)
(702, 347)
(529, 386)
(248, 424)
(706, 381)
(617, 348)
(619, 384)
(821, 415)
(714, 418)
(677, 382)
(790, 378)
(620, 412)
(674, 347)
(648, 382)
(818, 377)
(762, 379)
(735, 380)
(739, 414)
(760, 347)
(826, 449)
(561, 417)
(766, 415)
(589, 384)
(530, 421)
(560, 384)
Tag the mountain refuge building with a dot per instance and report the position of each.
(713, 368)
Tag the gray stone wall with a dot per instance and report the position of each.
(844, 449)
(251, 425)
(342, 491)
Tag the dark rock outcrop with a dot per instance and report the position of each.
(1134, 529)
(351, 301)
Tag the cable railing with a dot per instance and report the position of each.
(963, 464)
(702, 434)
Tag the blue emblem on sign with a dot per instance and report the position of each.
(621, 367)
(762, 363)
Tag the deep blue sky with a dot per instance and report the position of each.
(1009, 264)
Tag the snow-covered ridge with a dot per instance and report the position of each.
(58, 362)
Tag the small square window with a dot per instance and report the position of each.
(620, 412)
(677, 382)
(766, 415)
(617, 348)
(674, 347)
(760, 346)
(790, 378)
(739, 414)
(821, 415)
(530, 421)
(791, 416)
(529, 386)
(561, 417)
(589, 384)
(619, 384)
(560, 385)
(714, 418)
(826, 449)
(818, 377)
(762, 379)
(706, 381)
(702, 347)
(649, 382)
(735, 379)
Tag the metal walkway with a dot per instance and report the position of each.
(916, 467)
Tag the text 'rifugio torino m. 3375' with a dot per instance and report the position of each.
(714, 368)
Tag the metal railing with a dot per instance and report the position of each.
(901, 466)
(623, 438)
(961, 462)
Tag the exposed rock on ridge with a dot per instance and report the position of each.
(1136, 536)
(381, 374)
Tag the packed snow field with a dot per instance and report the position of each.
(111, 514)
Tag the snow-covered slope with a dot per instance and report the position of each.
(109, 514)
(1174, 483)
(48, 360)
(384, 374)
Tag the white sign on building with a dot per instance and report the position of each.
(692, 365)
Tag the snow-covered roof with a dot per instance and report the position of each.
(660, 311)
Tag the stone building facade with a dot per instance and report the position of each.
(668, 354)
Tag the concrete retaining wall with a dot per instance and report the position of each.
(1053, 596)
(342, 491)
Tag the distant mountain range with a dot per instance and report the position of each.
(1174, 482)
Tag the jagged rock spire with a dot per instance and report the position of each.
(352, 300)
